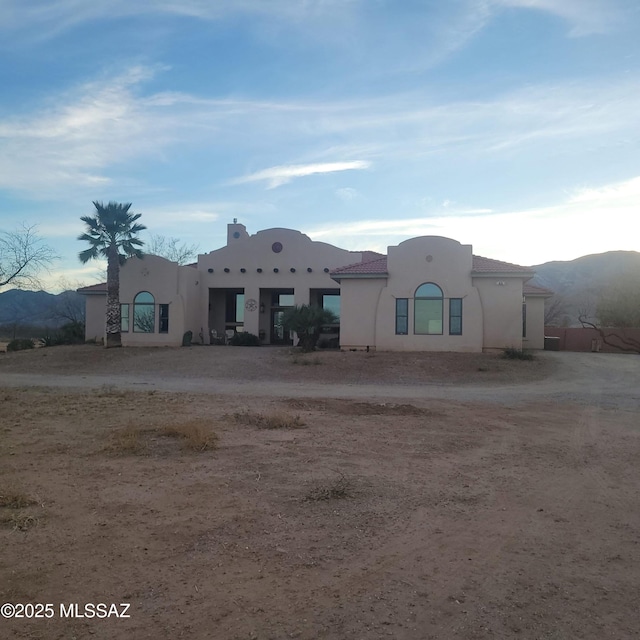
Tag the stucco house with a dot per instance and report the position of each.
(428, 293)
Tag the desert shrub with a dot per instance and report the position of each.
(512, 353)
(187, 338)
(194, 435)
(245, 339)
(274, 420)
(20, 344)
(336, 489)
(15, 500)
(329, 343)
(307, 321)
(70, 333)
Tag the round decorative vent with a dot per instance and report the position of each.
(275, 270)
(276, 247)
(309, 269)
(226, 269)
(210, 270)
(429, 258)
(243, 270)
(293, 269)
(250, 305)
(326, 269)
(259, 270)
(236, 234)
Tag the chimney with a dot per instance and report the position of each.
(235, 232)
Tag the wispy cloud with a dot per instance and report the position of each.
(562, 231)
(277, 176)
(586, 17)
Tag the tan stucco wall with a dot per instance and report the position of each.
(358, 312)
(250, 253)
(169, 284)
(95, 317)
(369, 306)
(501, 299)
(535, 323)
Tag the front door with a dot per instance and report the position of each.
(278, 333)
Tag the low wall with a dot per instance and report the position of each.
(578, 339)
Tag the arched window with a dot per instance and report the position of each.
(427, 309)
(144, 313)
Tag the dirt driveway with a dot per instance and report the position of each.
(253, 493)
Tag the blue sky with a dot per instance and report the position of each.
(511, 125)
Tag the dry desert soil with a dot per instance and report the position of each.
(256, 493)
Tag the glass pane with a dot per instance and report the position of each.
(332, 303)
(286, 300)
(402, 325)
(455, 306)
(144, 297)
(144, 318)
(240, 307)
(163, 321)
(428, 290)
(428, 316)
(455, 325)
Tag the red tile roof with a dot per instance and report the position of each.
(488, 265)
(533, 290)
(372, 267)
(378, 266)
(94, 288)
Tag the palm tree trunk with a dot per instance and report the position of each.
(113, 299)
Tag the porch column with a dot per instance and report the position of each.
(252, 309)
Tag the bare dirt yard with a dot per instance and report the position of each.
(253, 493)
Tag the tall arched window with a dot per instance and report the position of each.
(427, 309)
(144, 313)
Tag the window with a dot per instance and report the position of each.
(124, 318)
(144, 313)
(283, 299)
(402, 316)
(455, 317)
(331, 302)
(427, 310)
(524, 318)
(163, 318)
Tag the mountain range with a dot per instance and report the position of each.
(577, 284)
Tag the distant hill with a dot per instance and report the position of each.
(580, 282)
(39, 308)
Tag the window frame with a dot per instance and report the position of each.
(402, 315)
(418, 299)
(139, 307)
(453, 315)
(163, 317)
(124, 316)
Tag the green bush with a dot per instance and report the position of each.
(187, 338)
(70, 333)
(245, 339)
(20, 344)
(516, 354)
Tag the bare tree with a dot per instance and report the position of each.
(172, 249)
(23, 256)
(68, 306)
(555, 310)
(618, 309)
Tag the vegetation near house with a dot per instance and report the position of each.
(618, 308)
(307, 321)
(23, 255)
(111, 234)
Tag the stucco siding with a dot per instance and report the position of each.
(535, 323)
(501, 299)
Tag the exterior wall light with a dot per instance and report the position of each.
(262, 307)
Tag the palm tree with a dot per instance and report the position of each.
(111, 235)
